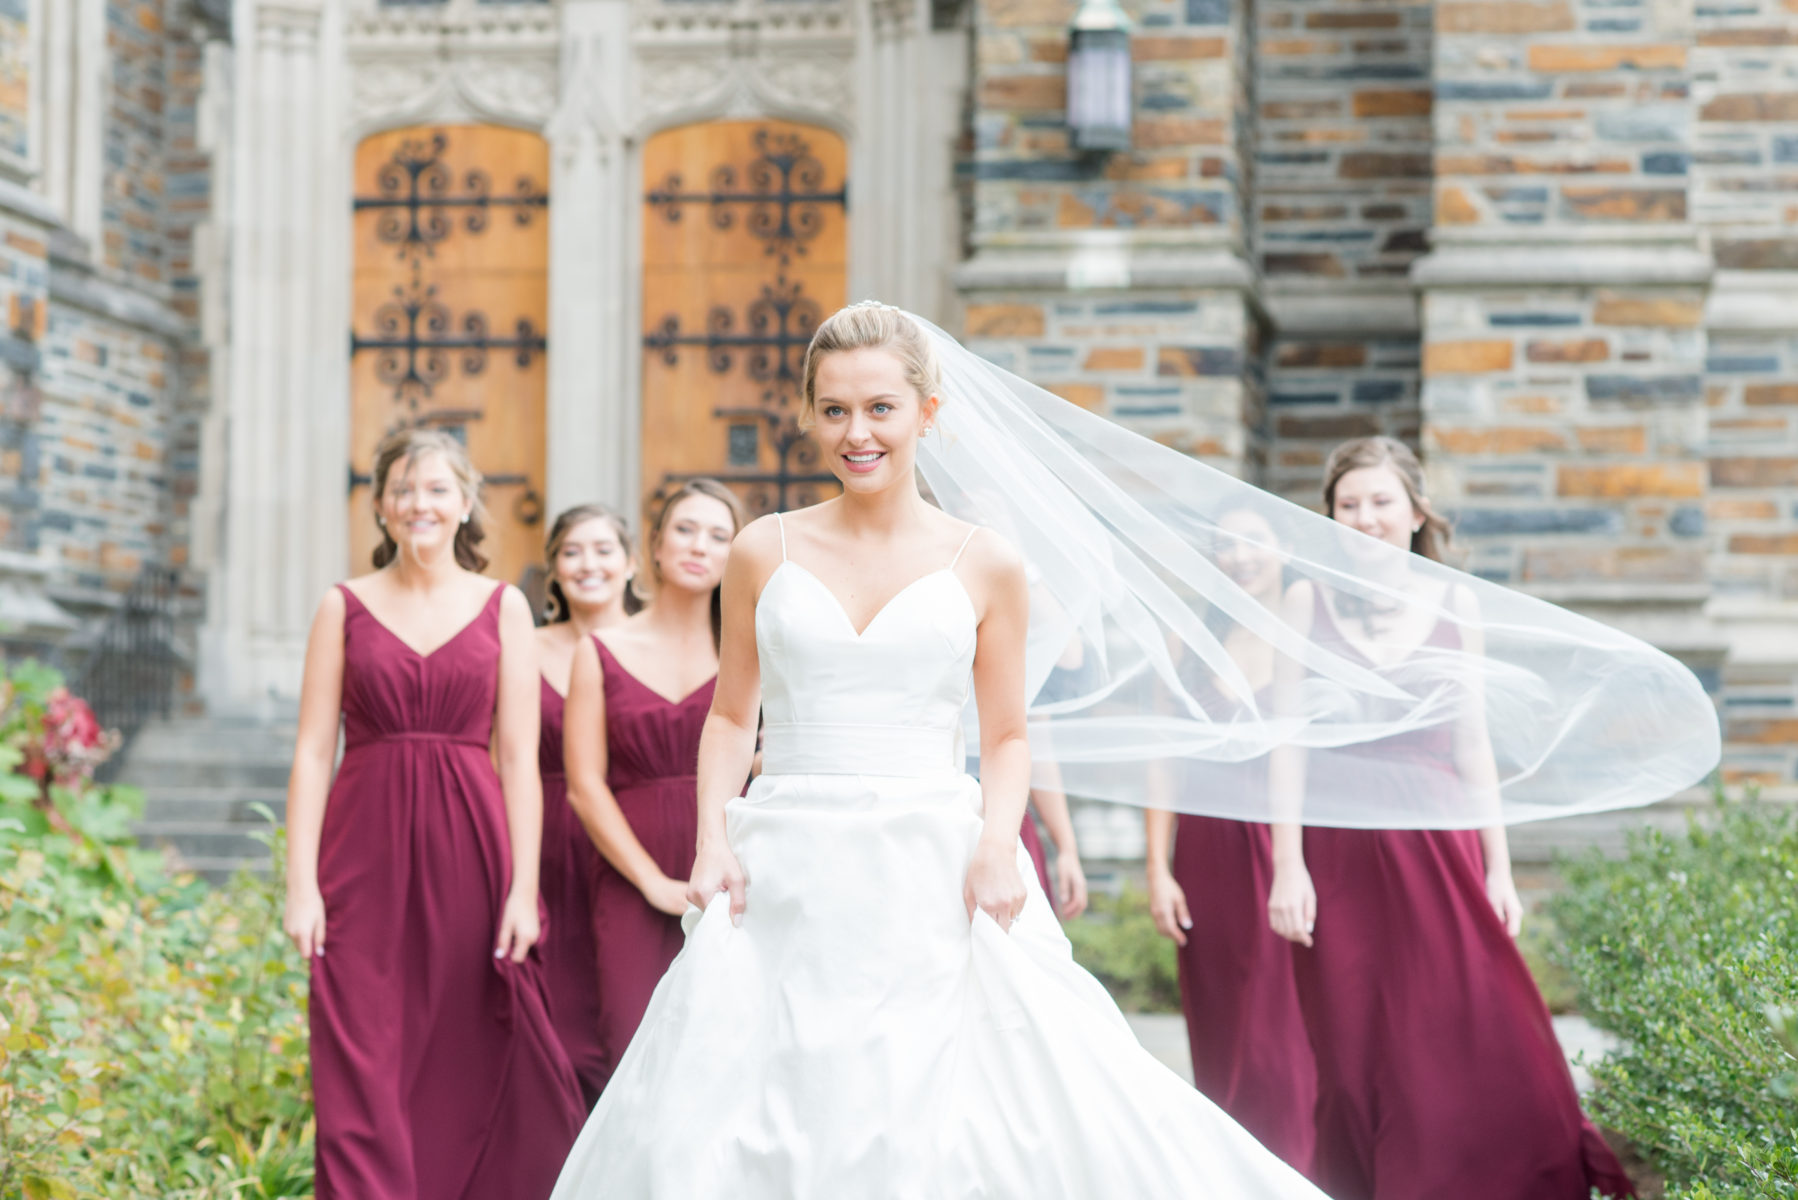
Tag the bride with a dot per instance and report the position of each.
(874, 999)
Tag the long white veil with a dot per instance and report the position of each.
(1384, 690)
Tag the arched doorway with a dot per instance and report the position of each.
(745, 249)
(450, 314)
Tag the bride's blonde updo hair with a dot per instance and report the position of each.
(869, 326)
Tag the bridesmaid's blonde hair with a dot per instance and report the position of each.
(870, 326)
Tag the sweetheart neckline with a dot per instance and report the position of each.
(882, 611)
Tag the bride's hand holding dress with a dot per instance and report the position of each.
(727, 747)
(994, 573)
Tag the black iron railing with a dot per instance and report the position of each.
(131, 669)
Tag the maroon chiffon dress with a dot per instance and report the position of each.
(1438, 1069)
(1250, 1052)
(1033, 843)
(435, 1068)
(652, 752)
(568, 868)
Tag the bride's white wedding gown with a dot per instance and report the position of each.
(856, 1038)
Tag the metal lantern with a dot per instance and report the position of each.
(1099, 77)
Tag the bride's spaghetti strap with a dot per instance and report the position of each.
(962, 547)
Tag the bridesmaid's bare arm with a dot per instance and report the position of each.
(586, 761)
(516, 720)
(1292, 901)
(1167, 899)
(309, 781)
(727, 744)
(1478, 769)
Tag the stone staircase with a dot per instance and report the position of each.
(202, 779)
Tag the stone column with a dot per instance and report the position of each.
(1562, 306)
(593, 417)
(1120, 281)
(287, 389)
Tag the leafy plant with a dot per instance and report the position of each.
(1687, 948)
(152, 1037)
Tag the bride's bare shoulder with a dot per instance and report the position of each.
(754, 555)
(991, 556)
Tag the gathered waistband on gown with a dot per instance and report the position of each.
(412, 735)
(819, 748)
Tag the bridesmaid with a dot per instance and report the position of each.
(1438, 1069)
(412, 881)
(637, 699)
(590, 569)
(1250, 1052)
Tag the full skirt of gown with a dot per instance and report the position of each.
(858, 1037)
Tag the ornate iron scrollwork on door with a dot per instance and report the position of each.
(417, 195)
(416, 337)
(782, 189)
(777, 327)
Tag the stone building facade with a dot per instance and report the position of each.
(1552, 243)
(106, 199)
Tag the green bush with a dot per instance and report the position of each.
(152, 1036)
(1687, 948)
(1117, 942)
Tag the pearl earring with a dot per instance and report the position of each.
(465, 517)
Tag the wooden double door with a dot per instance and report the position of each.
(745, 241)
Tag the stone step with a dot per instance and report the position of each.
(202, 779)
(252, 774)
(223, 806)
(202, 840)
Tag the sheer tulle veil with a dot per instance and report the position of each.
(1402, 693)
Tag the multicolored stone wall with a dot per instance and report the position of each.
(1170, 365)
(1343, 140)
(133, 234)
(1342, 207)
(1564, 433)
(102, 460)
(1185, 168)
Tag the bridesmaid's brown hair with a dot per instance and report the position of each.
(652, 539)
(1428, 539)
(406, 447)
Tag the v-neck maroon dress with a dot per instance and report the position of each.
(435, 1068)
(652, 754)
(1439, 1073)
(568, 867)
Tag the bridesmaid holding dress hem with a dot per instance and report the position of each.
(412, 878)
(1439, 1073)
(590, 569)
(637, 700)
